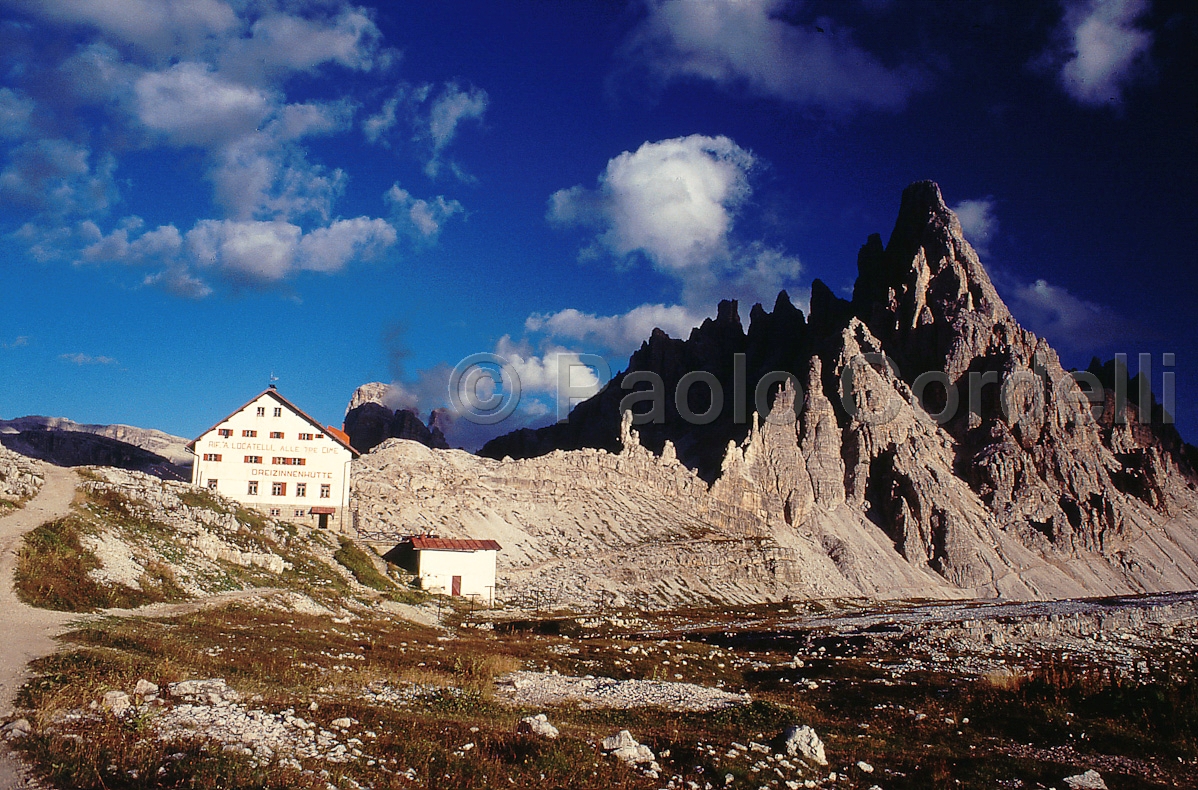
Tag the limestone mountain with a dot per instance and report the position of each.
(369, 420)
(64, 442)
(925, 444)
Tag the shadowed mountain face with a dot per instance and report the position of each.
(64, 442)
(79, 448)
(369, 421)
(925, 412)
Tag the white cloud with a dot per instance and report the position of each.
(432, 120)
(209, 75)
(449, 109)
(748, 44)
(978, 222)
(421, 218)
(1066, 320)
(180, 282)
(1099, 49)
(155, 26)
(87, 359)
(675, 202)
(261, 252)
(672, 200)
(539, 372)
(192, 105)
(256, 176)
(58, 177)
(282, 43)
(155, 246)
(619, 333)
(15, 111)
(19, 342)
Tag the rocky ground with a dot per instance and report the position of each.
(20, 479)
(815, 694)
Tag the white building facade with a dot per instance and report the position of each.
(271, 456)
(450, 566)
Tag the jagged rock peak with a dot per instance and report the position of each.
(372, 392)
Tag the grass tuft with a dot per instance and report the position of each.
(53, 571)
(360, 565)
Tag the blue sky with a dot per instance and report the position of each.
(195, 194)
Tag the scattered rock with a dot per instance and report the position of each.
(864, 767)
(342, 723)
(117, 702)
(625, 748)
(18, 728)
(145, 688)
(1090, 780)
(537, 725)
(803, 742)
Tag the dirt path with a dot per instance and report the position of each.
(28, 633)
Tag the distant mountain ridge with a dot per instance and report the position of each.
(64, 442)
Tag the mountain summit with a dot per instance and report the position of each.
(923, 438)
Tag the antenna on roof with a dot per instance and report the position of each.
(273, 379)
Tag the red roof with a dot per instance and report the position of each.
(450, 544)
(339, 437)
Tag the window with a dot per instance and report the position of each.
(252, 488)
(278, 489)
(261, 411)
(212, 456)
(278, 411)
(305, 437)
(249, 434)
(225, 432)
(253, 459)
(326, 491)
(299, 513)
(280, 461)
(212, 483)
(320, 436)
(276, 434)
(301, 489)
(274, 511)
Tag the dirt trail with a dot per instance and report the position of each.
(28, 633)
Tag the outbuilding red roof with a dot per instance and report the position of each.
(451, 544)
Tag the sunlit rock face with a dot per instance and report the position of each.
(918, 442)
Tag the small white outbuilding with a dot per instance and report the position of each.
(450, 566)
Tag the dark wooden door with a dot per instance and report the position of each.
(457, 585)
(324, 521)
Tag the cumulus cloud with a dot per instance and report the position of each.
(618, 333)
(675, 202)
(158, 27)
(59, 177)
(979, 222)
(19, 342)
(211, 76)
(87, 359)
(125, 245)
(283, 43)
(1098, 49)
(261, 252)
(192, 105)
(1066, 320)
(421, 218)
(749, 45)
